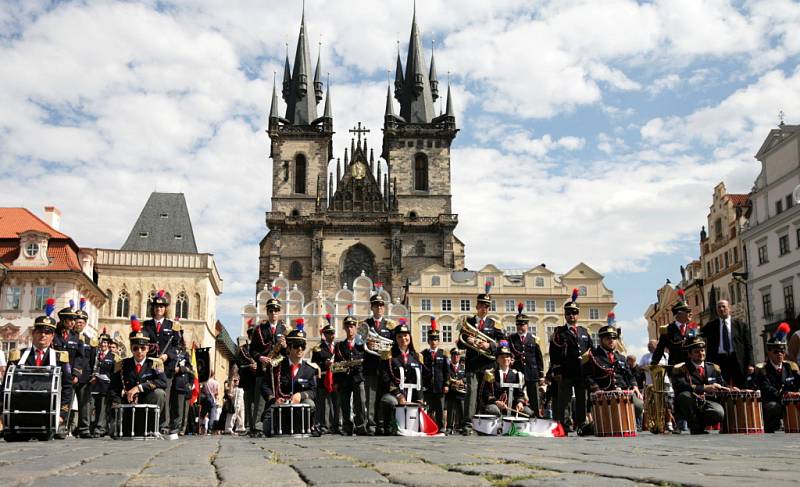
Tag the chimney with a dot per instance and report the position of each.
(53, 217)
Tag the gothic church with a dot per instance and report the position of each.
(388, 217)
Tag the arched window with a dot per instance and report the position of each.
(198, 315)
(148, 311)
(110, 308)
(300, 174)
(123, 305)
(182, 306)
(295, 271)
(421, 172)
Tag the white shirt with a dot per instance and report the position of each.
(725, 322)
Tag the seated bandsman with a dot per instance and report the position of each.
(40, 354)
(295, 380)
(503, 391)
(100, 383)
(775, 377)
(692, 381)
(140, 379)
(605, 369)
(401, 375)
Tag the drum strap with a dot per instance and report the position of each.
(27, 352)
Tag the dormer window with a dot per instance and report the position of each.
(143, 234)
(31, 250)
(178, 236)
(163, 216)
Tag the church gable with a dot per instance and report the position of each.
(358, 190)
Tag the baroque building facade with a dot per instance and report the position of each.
(388, 217)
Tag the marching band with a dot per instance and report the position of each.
(375, 382)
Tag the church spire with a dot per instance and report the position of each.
(317, 75)
(389, 106)
(273, 109)
(432, 76)
(449, 111)
(328, 112)
(416, 105)
(301, 109)
(398, 77)
(287, 76)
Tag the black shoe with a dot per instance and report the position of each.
(698, 432)
(60, 436)
(316, 433)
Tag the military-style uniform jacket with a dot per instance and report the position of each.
(671, 340)
(686, 377)
(390, 373)
(342, 353)
(496, 390)
(434, 371)
(320, 356)
(89, 357)
(69, 341)
(104, 372)
(162, 341)
(151, 377)
(264, 339)
(61, 360)
(773, 384)
(603, 373)
(456, 372)
(384, 329)
(304, 381)
(474, 361)
(527, 355)
(247, 376)
(183, 379)
(566, 349)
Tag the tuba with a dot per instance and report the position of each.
(374, 343)
(465, 331)
(655, 402)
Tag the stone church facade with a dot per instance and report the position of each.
(388, 217)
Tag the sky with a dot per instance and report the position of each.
(593, 131)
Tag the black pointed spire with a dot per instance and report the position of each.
(317, 76)
(273, 109)
(389, 105)
(432, 76)
(328, 112)
(287, 77)
(301, 109)
(416, 104)
(398, 77)
(449, 111)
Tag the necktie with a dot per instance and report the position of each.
(683, 330)
(158, 327)
(350, 346)
(405, 357)
(330, 347)
(272, 329)
(726, 340)
(295, 367)
(39, 354)
(505, 376)
(138, 369)
(701, 371)
(481, 325)
(611, 357)
(575, 330)
(102, 356)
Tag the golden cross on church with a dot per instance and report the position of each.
(359, 131)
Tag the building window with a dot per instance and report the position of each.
(300, 174)
(789, 201)
(9, 345)
(419, 248)
(447, 333)
(595, 338)
(424, 330)
(148, 310)
(735, 255)
(718, 228)
(716, 264)
(436, 281)
(143, 234)
(447, 305)
(530, 305)
(466, 305)
(762, 255)
(163, 216)
(778, 207)
(788, 301)
(12, 298)
(708, 268)
(582, 291)
(178, 236)
(726, 260)
(540, 281)
(493, 305)
(510, 306)
(295, 271)
(594, 314)
(42, 293)
(783, 245)
(797, 237)
(550, 330)
(124, 305)
(550, 306)
(421, 172)
(510, 329)
(32, 249)
(182, 306)
(766, 304)
(425, 304)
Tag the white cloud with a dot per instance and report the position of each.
(668, 82)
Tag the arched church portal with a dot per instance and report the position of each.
(357, 258)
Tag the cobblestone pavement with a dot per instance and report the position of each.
(458, 461)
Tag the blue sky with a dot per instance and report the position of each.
(593, 131)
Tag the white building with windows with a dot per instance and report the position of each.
(771, 238)
(38, 262)
(445, 295)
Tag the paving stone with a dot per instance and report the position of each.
(495, 470)
(423, 475)
(343, 475)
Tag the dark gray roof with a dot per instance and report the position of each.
(163, 226)
(301, 102)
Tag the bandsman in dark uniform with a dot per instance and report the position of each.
(294, 380)
(82, 390)
(435, 376)
(456, 392)
(404, 358)
(248, 368)
(477, 362)
(163, 340)
(776, 377)
(140, 378)
(694, 382)
(67, 340)
(568, 343)
(383, 326)
(42, 353)
(673, 336)
(605, 369)
(503, 388)
(268, 343)
(528, 358)
(182, 382)
(323, 356)
(350, 381)
(100, 383)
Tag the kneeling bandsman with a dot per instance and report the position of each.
(692, 381)
(140, 379)
(503, 390)
(775, 377)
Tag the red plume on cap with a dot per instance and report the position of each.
(250, 322)
(782, 330)
(136, 325)
(520, 307)
(575, 293)
(82, 303)
(160, 293)
(104, 331)
(275, 291)
(378, 286)
(50, 306)
(487, 287)
(682, 294)
(300, 323)
(434, 325)
(350, 310)
(611, 318)
(402, 321)
(328, 318)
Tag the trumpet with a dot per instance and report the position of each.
(466, 331)
(374, 343)
(345, 366)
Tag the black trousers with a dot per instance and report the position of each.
(731, 371)
(436, 407)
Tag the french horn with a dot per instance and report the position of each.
(373, 342)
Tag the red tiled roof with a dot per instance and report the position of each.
(14, 221)
(739, 199)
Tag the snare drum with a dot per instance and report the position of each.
(407, 416)
(613, 413)
(791, 412)
(486, 424)
(742, 412)
(517, 424)
(136, 422)
(291, 420)
(32, 400)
